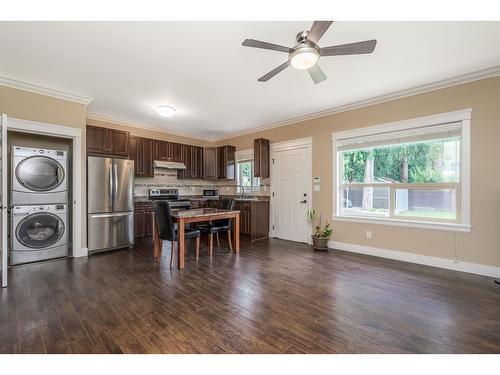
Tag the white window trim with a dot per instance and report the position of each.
(461, 116)
(242, 156)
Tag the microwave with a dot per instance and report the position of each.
(211, 193)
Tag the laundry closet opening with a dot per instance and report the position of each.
(40, 196)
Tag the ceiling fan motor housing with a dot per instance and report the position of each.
(302, 36)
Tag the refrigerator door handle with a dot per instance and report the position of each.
(111, 187)
(115, 183)
(112, 215)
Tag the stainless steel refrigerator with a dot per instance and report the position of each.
(110, 203)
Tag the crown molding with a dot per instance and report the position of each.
(15, 84)
(115, 120)
(450, 82)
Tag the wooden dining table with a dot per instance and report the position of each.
(183, 217)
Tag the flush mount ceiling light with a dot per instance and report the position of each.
(165, 110)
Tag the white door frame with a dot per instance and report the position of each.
(75, 135)
(3, 203)
(301, 143)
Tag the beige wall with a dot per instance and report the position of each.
(482, 245)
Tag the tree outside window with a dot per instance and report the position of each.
(246, 180)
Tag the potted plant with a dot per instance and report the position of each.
(321, 233)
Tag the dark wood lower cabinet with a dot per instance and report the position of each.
(143, 219)
(254, 218)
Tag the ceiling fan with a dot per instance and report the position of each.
(306, 53)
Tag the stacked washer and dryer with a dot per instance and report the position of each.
(39, 204)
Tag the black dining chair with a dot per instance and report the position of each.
(167, 231)
(218, 226)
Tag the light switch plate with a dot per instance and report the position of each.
(317, 188)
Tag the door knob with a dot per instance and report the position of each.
(304, 201)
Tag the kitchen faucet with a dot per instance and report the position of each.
(245, 194)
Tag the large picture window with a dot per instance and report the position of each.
(409, 174)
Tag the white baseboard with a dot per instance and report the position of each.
(80, 252)
(479, 269)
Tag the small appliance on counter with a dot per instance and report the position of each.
(171, 196)
(211, 194)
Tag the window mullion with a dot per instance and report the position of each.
(392, 193)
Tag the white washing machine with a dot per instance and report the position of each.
(38, 233)
(39, 176)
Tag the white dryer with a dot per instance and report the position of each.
(38, 233)
(39, 176)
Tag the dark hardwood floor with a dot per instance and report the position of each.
(275, 297)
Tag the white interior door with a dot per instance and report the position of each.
(292, 193)
(3, 199)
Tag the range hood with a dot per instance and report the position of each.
(168, 165)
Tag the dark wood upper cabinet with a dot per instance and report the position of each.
(176, 150)
(192, 157)
(198, 156)
(141, 151)
(261, 158)
(95, 139)
(226, 162)
(186, 160)
(133, 148)
(107, 141)
(210, 163)
(117, 142)
(162, 150)
(168, 151)
(147, 157)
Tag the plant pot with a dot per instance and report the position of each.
(320, 243)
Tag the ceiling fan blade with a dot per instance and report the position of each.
(317, 74)
(358, 48)
(318, 28)
(258, 44)
(273, 72)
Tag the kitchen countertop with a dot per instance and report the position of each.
(145, 198)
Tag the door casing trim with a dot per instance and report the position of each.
(75, 134)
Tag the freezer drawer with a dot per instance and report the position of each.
(110, 230)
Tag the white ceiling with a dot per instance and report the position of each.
(201, 69)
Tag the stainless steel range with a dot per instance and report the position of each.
(169, 195)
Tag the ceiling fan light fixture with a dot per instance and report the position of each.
(165, 110)
(304, 58)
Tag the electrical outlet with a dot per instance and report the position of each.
(368, 234)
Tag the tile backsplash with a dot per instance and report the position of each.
(165, 178)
